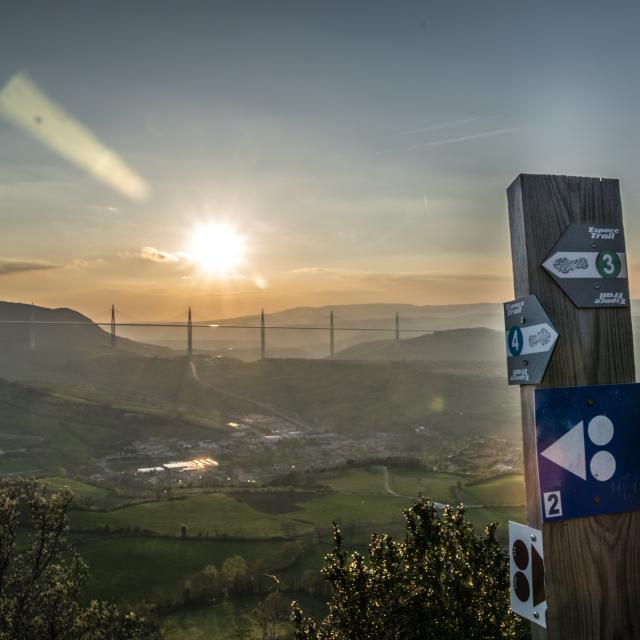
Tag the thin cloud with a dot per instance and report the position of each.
(437, 143)
(474, 136)
(329, 271)
(157, 255)
(9, 266)
(438, 127)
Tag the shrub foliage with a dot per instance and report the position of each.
(42, 581)
(443, 582)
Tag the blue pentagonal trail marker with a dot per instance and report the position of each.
(588, 449)
(589, 264)
(530, 337)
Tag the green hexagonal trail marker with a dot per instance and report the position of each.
(589, 264)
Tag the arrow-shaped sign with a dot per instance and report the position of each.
(568, 452)
(589, 264)
(530, 340)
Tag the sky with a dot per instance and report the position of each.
(359, 152)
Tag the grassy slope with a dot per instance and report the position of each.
(434, 486)
(340, 395)
(356, 396)
(352, 508)
(131, 567)
(206, 513)
(506, 490)
(367, 480)
(79, 489)
(62, 430)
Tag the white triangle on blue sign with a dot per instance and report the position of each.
(569, 452)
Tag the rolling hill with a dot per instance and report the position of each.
(82, 337)
(42, 430)
(457, 345)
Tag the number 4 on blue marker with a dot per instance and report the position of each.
(516, 341)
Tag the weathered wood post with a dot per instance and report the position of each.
(592, 564)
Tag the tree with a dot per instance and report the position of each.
(442, 583)
(204, 584)
(233, 568)
(42, 584)
(211, 576)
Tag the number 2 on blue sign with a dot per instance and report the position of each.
(515, 341)
(552, 504)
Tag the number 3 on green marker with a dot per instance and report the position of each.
(608, 264)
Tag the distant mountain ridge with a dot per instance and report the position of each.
(456, 345)
(383, 313)
(245, 343)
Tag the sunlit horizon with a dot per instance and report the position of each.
(390, 189)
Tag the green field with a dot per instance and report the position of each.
(434, 486)
(367, 480)
(212, 514)
(130, 568)
(124, 566)
(355, 495)
(501, 491)
(356, 508)
(406, 482)
(80, 489)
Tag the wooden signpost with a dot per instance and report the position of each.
(592, 564)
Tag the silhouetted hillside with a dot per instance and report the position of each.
(457, 345)
(81, 337)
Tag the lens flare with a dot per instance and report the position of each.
(28, 107)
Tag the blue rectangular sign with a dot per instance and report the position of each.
(588, 446)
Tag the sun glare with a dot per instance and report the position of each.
(217, 248)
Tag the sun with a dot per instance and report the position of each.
(216, 248)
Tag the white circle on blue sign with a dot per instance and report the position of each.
(515, 341)
(603, 466)
(600, 430)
